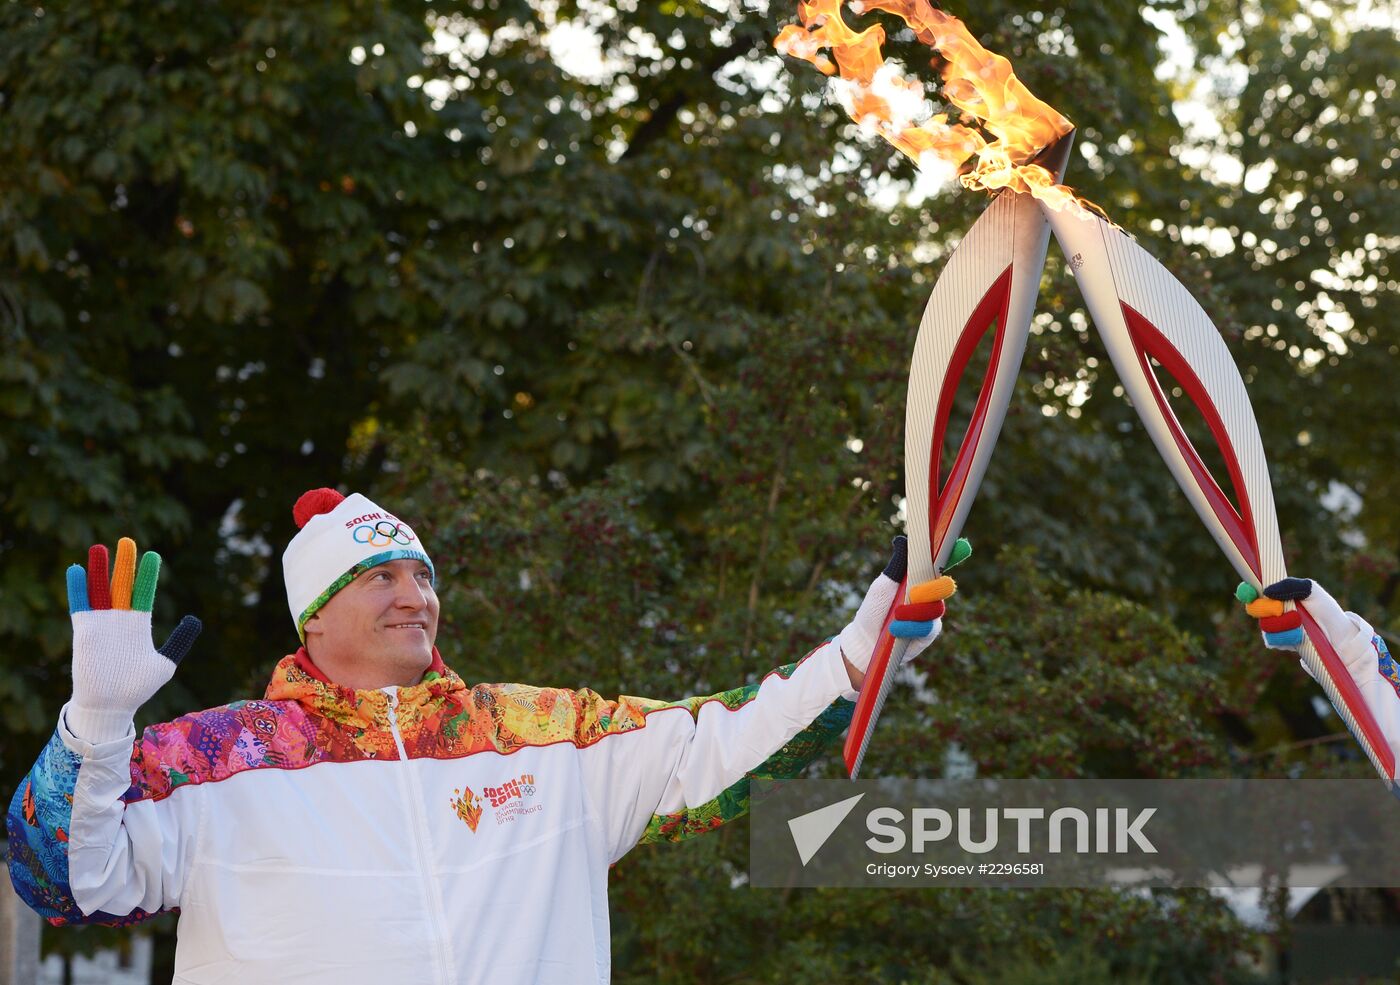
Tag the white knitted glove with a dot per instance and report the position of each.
(920, 620)
(116, 667)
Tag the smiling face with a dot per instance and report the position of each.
(378, 630)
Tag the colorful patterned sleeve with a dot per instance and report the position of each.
(95, 837)
(39, 824)
(666, 771)
(1385, 663)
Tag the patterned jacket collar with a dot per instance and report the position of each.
(297, 678)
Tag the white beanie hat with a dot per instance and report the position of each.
(340, 537)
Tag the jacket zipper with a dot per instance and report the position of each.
(421, 842)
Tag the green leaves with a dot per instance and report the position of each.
(629, 330)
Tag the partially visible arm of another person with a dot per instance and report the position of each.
(1361, 648)
(78, 853)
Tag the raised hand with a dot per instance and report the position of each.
(116, 666)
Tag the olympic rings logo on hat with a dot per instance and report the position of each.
(382, 534)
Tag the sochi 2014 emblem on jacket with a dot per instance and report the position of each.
(468, 807)
(507, 801)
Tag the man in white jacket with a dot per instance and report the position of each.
(373, 818)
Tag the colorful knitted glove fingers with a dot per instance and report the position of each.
(116, 667)
(919, 620)
(1284, 630)
(926, 606)
(1361, 650)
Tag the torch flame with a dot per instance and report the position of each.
(978, 82)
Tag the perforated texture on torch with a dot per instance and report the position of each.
(996, 266)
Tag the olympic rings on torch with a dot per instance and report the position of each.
(382, 534)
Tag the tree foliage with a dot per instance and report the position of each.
(628, 334)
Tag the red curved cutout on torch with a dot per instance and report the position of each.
(1148, 341)
(991, 309)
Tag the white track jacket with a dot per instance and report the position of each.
(427, 834)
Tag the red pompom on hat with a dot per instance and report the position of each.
(314, 502)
